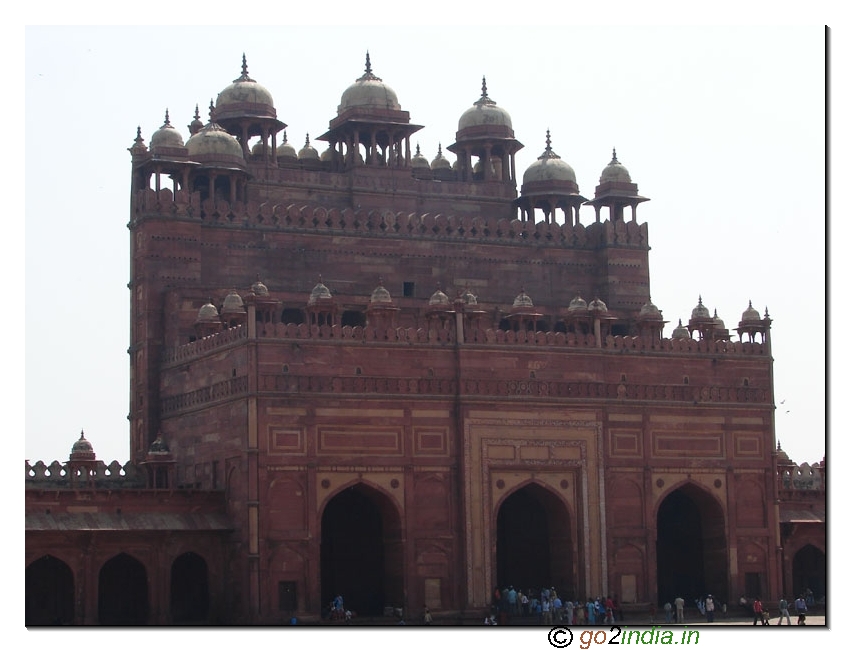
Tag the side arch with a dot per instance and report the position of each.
(691, 549)
(362, 549)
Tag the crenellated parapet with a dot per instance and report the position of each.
(361, 222)
(58, 475)
(802, 478)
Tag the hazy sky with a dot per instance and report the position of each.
(723, 128)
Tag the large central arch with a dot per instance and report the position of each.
(362, 551)
(534, 547)
(691, 547)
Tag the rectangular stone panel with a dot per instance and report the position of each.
(676, 444)
(747, 445)
(287, 440)
(534, 453)
(431, 441)
(626, 443)
(501, 452)
(381, 441)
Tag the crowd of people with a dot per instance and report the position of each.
(547, 606)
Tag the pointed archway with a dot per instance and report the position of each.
(49, 592)
(122, 592)
(691, 547)
(809, 572)
(534, 545)
(361, 551)
(190, 593)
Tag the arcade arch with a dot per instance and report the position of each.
(809, 571)
(190, 594)
(49, 592)
(122, 592)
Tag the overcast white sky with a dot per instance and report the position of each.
(723, 128)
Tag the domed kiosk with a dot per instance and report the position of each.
(369, 116)
(549, 183)
(246, 109)
(485, 132)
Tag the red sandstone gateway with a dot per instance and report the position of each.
(357, 372)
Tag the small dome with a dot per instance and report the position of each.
(381, 295)
(158, 446)
(214, 143)
(138, 147)
(196, 124)
(597, 305)
(548, 167)
(750, 314)
(419, 161)
(440, 161)
(523, 300)
(718, 323)
(700, 311)
(614, 172)
(257, 149)
(577, 304)
(244, 91)
(781, 456)
(438, 298)
(82, 449)
(484, 112)
(259, 289)
(319, 292)
(232, 303)
(166, 136)
(681, 332)
(307, 151)
(469, 298)
(328, 154)
(208, 313)
(649, 310)
(286, 150)
(368, 91)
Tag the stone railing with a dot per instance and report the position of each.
(315, 219)
(202, 346)
(474, 336)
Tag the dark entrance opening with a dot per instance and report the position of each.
(122, 592)
(190, 593)
(810, 572)
(691, 547)
(361, 553)
(533, 542)
(49, 593)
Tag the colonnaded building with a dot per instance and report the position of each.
(409, 382)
